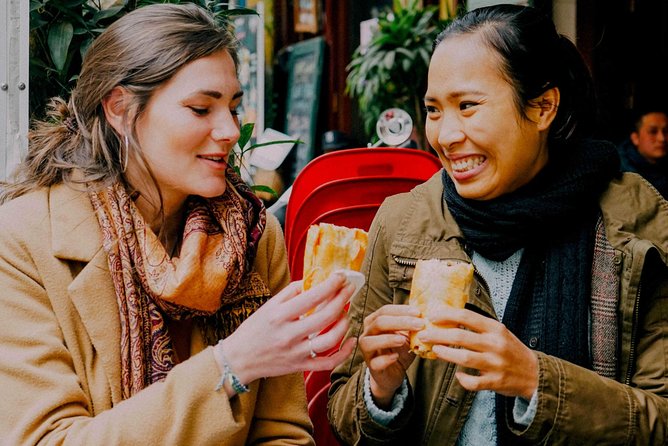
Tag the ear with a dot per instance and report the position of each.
(635, 138)
(545, 108)
(115, 106)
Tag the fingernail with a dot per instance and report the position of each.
(418, 325)
(341, 276)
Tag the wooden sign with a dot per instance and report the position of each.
(307, 18)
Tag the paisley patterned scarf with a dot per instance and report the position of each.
(212, 280)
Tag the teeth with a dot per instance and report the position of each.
(214, 158)
(465, 164)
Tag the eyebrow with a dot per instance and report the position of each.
(217, 94)
(455, 94)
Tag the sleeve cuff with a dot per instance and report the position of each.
(524, 411)
(379, 415)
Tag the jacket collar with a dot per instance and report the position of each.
(76, 234)
(428, 230)
(77, 237)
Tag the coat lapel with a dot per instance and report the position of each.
(77, 237)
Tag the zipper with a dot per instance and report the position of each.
(634, 333)
(481, 279)
(403, 261)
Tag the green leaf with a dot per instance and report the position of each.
(245, 134)
(388, 60)
(106, 13)
(84, 47)
(238, 11)
(270, 143)
(262, 188)
(35, 4)
(60, 36)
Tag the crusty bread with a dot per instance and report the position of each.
(329, 248)
(437, 283)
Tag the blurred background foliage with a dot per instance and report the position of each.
(62, 30)
(391, 70)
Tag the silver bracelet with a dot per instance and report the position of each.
(230, 377)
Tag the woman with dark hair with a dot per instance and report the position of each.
(563, 338)
(137, 269)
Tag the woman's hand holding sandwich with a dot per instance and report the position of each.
(500, 361)
(385, 346)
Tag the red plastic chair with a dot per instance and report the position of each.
(356, 163)
(314, 381)
(317, 410)
(339, 194)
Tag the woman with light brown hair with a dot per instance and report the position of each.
(137, 268)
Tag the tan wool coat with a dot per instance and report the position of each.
(59, 347)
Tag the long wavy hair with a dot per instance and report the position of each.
(141, 51)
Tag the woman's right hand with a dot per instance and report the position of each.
(278, 338)
(384, 343)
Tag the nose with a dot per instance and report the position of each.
(450, 132)
(225, 128)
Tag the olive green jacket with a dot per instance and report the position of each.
(60, 352)
(575, 405)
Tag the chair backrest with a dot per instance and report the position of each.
(356, 163)
(314, 381)
(345, 196)
(317, 410)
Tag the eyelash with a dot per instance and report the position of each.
(205, 111)
(199, 111)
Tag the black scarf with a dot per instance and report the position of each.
(553, 219)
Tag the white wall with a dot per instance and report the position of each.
(14, 23)
(565, 17)
(563, 13)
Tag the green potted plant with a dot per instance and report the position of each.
(391, 71)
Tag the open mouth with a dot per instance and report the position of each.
(465, 164)
(215, 159)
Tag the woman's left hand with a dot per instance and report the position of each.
(504, 364)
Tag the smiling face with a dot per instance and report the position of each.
(188, 129)
(486, 147)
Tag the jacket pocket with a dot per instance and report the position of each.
(404, 256)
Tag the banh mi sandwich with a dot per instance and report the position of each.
(330, 248)
(437, 283)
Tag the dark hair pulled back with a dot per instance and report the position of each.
(535, 57)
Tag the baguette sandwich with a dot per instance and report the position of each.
(330, 248)
(437, 283)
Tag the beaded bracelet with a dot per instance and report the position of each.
(229, 376)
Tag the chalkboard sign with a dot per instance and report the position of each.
(249, 30)
(304, 77)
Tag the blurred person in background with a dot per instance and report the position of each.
(645, 150)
